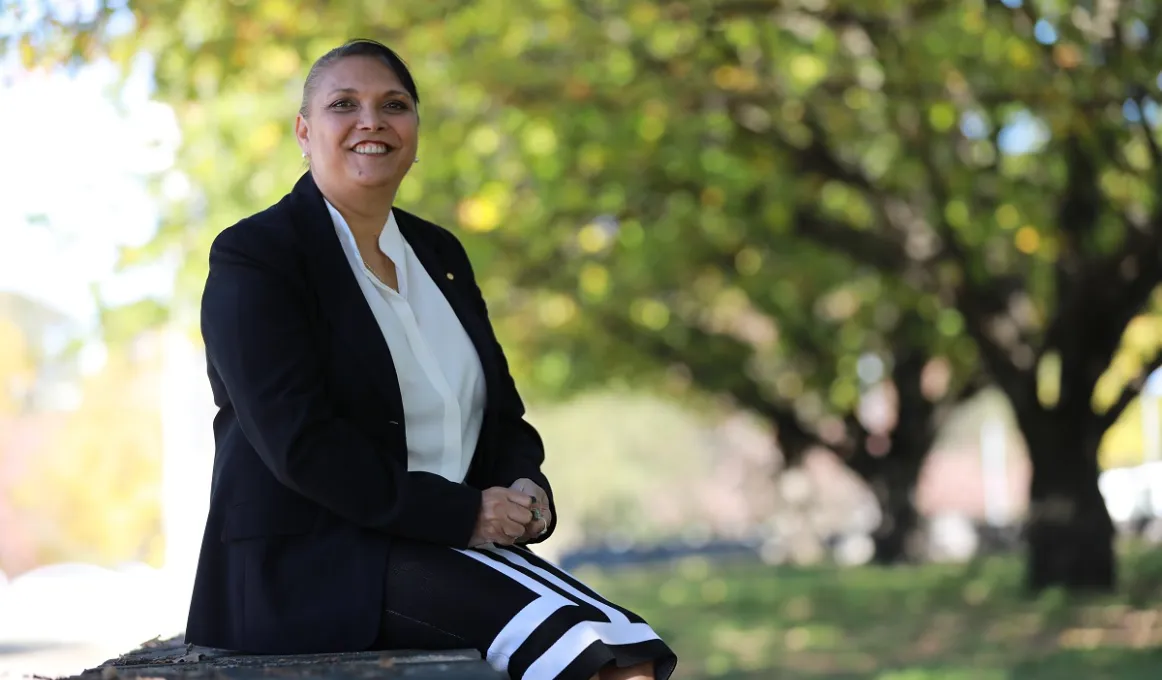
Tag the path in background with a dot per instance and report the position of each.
(62, 619)
(55, 660)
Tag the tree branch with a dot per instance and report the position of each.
(1151, 143)
(977, 303)
(913, 92)
(976, 384)
(1131, 392)
(1078, 213)
(867, 247)
(1105, 294)
(794, 437)
(1012, 372)
(734, 9)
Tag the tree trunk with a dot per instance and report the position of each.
(893, 482)
(1069, 533)
(892, 475)
(896, 537)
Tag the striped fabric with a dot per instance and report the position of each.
(529, 618)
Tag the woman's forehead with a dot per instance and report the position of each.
(361, 75)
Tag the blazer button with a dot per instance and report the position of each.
(450, 277)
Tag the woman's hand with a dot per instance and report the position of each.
(540, 514)
(504, 517)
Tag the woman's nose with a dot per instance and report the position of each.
(370, 118)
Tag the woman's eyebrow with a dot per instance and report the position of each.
(351, 90)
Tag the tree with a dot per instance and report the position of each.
(904, 130)
(703, 278)
(789, 364)
(1046, 253)
(1048, 306)
(994, 164)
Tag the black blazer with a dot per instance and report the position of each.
(310, 483)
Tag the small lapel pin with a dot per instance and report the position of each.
(450, 277)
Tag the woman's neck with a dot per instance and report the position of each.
(365, 210)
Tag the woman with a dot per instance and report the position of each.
(375, 482)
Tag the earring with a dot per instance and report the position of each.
(304, 154)
(415, 160)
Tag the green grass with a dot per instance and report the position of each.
(962, 622)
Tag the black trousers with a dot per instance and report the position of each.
(527, 617)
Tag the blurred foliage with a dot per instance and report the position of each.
(653, 449)
(742, 198)
(655, 472)
(646, 161)
(624, 167)
(751, 621)
(92, 493)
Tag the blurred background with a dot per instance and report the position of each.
(838, 318)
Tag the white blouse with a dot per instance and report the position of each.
(440, 376)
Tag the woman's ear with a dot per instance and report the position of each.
(303, 134)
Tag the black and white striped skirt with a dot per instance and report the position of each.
(529, 618)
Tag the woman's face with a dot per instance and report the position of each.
(362, 126)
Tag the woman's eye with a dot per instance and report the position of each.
(397, 105)
(341, 104)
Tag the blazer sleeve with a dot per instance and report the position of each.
(256, 329)
(521, 452)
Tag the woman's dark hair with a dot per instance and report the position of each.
(361, 47)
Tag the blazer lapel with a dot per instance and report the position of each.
(339, 293)
(474, 324)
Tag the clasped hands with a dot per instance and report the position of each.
(517, 514)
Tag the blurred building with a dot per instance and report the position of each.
(36, 405)
(49, 336)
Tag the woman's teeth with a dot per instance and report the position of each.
(371, 149)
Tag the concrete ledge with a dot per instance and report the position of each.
(174, 660)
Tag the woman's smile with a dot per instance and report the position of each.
(372, 149)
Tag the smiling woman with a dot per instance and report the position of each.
(344, 98)
(359, 126)
(375, 482)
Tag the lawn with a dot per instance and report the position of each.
(946, 622)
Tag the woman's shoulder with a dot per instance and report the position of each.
(267, 233)
(415, 226)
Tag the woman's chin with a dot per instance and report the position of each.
(374, 178)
